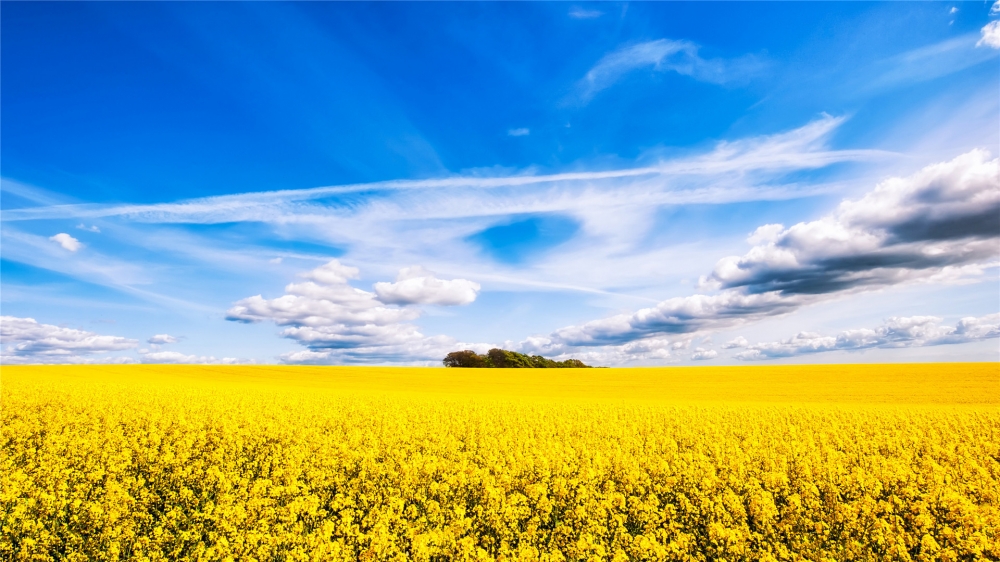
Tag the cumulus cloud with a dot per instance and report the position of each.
(654, 350)
(663, 55)
(416, 285)
(680, 315)
(339, 323)
(25, 340)
(914, 331)
(702, 354)
(940, 224)
(66, 241)
(161, 339)
(739, 341)
(990, 35)
(174, 357)
(945, 216)
(649, 350)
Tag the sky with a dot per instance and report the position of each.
(383, 183)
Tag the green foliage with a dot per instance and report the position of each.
(503, 359)
(467, 358)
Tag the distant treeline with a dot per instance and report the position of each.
(503, 359)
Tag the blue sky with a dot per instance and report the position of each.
(626, 183)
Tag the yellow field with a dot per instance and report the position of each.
(838, 463)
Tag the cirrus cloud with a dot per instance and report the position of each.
(663, 55)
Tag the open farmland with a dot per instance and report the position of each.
(844, 462)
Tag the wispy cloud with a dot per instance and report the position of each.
(428, 221)
(579, 13)
(665, 55)
(97, 268)
(519, 132)
(803, 148)
(927, 63)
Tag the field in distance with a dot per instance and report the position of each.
(930, 383)
(829, 462)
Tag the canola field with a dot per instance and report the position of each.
(831, 463)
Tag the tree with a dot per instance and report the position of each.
(503, 359)
(466, 358)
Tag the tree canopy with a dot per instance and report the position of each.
(503, 359)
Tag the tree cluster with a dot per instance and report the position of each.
(503, 359)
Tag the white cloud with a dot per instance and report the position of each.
(652, 350)
(519, 132)
(174, 357)
(943, 217)
(124, 275)
(339, 323)
(92, 228)
(161, 339)
(702, 354)
(25, 340)
(579, 13)
(690, 179)
(928, 62)
(990, 35)
(937, 225)
(953, 10)
(995, 8)
(655, 350)
(415, 285)
(664, 55)
(416, 350)
(739, 341)
(914, 331)
(430, 221)
(680, 315)
(66, 241)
